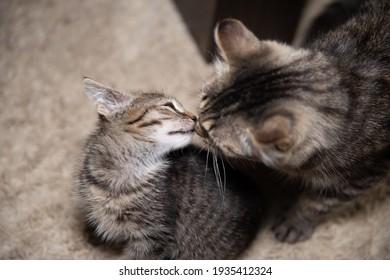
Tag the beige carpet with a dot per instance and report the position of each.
(46, 47)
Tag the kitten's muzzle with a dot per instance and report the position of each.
(200, 130)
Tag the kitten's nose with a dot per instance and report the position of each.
(191, 116)
(200, 130)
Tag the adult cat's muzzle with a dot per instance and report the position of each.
(200, 130)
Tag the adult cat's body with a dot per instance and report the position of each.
(159, 204)
(321, 113)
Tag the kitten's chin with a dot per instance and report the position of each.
(180, 139)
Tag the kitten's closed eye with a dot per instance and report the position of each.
(170, 105)
(132, 188)
(144, 117)
(180, 111)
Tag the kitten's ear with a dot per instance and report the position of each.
(234, 40)
(275, 130)
(106, 100)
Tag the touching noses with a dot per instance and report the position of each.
(191, 116)
(200, 130)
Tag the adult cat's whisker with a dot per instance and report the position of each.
(218, 178)
(224, 180)
(207, 162)
(216, 172)
(201, 150)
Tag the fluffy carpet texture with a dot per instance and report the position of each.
(46, 47)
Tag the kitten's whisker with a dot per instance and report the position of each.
(216, 172)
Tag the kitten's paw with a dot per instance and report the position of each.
(293, 228)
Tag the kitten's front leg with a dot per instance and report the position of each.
(298, 223)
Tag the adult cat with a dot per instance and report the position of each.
(319, 113)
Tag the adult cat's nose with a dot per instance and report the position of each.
(200, 130)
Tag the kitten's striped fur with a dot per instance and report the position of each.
(320, 113)
(136, 190)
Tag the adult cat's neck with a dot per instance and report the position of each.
(123, 163)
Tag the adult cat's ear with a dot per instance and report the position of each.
(234, 40)
(106, 100)
(275, 130)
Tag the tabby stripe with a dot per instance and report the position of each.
(139, 118)
(239, 86)
(239, 106)
(260, 78)
(340, 196)
(326, 110)
(102, 185)
(231, 104)
(262, 84)
(90, 179)
(143, 138)
(250, 78)
(151, 123)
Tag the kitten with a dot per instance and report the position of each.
(161, 204)
(320, 114)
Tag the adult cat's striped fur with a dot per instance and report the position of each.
(319, 113)
(161, 204)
